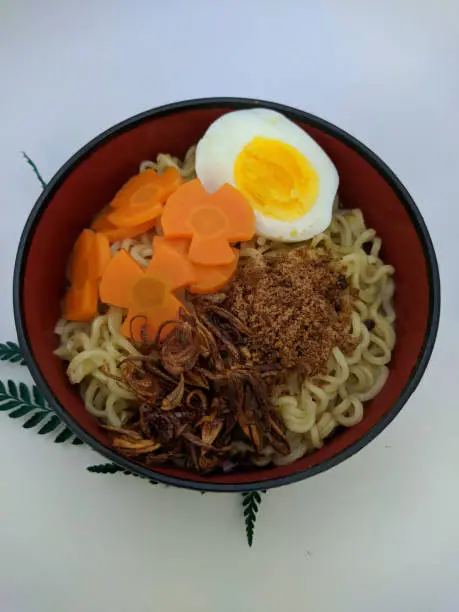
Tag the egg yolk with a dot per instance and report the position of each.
(277, 179)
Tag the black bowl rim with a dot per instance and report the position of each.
(234, 103)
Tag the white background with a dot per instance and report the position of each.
(381, 531)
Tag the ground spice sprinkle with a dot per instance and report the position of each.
(297, 305)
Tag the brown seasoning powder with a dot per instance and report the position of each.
(297, 306)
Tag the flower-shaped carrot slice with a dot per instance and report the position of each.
(209, 279)
(172, 268)
(137, 189)
(168, 182)
(137, 205)
(152, 303)
(142, 198)
(146, 184)
(114, 234)
(211, 221)
(118, 280)
(133, 216)
(179, 245)
(148, 295)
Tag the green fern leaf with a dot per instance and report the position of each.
(63, 436)
(38, 397)
(34, 420)
(23, 410)
(9, 404)
(24, 393)
(10, 351)
(50, 425)
(105, 468)
(15, 396)
(111, 468)
(12, 389)
(251, 504)
(21, 400)
(35, 170)
(20, 412)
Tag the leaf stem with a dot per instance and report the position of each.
(35, 169)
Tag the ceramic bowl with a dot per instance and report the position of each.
(88, 181)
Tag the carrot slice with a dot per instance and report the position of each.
(239, 214)
(168, 182)
(118, 280)
(211, 221)
(146, 294)
(209, 279)
(142, 197)
(137, 188)
(90, 255)
(173, 268)
(179, 208)
(147, 186)
(80, 304)
(102, 255)
(100, 223)
(115, 234)
(152, 304)
(132, 216)
(78, 271)
(210, 251)
(179, 245)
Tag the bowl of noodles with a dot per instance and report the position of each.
(226, 294)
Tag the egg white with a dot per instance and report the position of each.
(218, 149)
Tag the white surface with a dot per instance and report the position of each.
(379, 532)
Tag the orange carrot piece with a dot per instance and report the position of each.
(102, 254)
(152, 304)
(238, 212)
(147, 186)
(180, 245)
(100, 223)
(118, 280)
(81, 304)
(79, 267)
(168, 182)
(207, 251)
(137, 205)
(142, 197)
(211, 221)
(132, 216)
(210, 279)
(114, 234)
(179, 208)
(90, 256)
(147, 294)
(173, 268)
(136, 189)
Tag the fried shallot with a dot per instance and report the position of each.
(199, 395)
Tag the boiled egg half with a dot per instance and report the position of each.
(286, 176)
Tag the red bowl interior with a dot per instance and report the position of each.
(89, 181)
